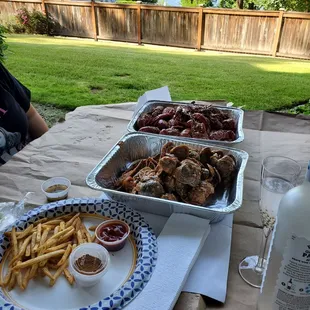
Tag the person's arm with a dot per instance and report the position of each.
(37, 125)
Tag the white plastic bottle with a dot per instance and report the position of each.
(286, 283)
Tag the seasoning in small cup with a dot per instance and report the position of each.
(88, 263)
(56, 188)
(112, 234)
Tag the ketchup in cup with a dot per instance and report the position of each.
(112, 234)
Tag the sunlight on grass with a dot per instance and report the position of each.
(60, 41)
(74, 72)
(285, 66)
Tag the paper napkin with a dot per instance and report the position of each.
(179, 245)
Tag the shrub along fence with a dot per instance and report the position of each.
(276, 33)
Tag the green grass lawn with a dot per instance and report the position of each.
(70, 73)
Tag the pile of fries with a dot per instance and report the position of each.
(43, 249)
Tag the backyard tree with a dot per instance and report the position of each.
(3, 45)
(289, 5)
(191, 3)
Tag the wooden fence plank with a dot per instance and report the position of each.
(115, 6)
(295, 56)
(93, 18)
(241, 12)
(75, 21)
(235, 50)
(169, 8)
(139, 24)
(22, 1)
(117, 24)
(43, 6)
(296, 15)
(277, 34)
(85, 4)
(199, 30)
(295, 38)
(238, 32)
(246, 31)
(171, 28)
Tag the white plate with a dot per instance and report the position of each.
(129, 271)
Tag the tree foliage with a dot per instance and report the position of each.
(228, 4)
(194, 3)
(3, 45)
(143, 1)
(289, 5)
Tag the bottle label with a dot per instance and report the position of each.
(293, 285)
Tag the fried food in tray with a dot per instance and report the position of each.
(191, 121)
(43, 249)
(179, 173)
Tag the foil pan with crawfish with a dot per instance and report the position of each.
(190, 121)
(179, 173)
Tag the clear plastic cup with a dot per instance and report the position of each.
(82, 277)
(56, 188)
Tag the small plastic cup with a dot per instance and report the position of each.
(61, 186)
(112, 246)
(87, 279)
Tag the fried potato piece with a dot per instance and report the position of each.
(43, 246)
(37, 259)
(58, 273)
(65, 256)
(68, 276)
(25, 232)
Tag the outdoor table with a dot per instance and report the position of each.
(73, 148)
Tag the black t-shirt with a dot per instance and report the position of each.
(14, 104)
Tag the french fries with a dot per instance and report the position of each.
(58, 247)
(79, 237)
(39, 233)
(43, 249)
(68, 276)
(26, 279)
(22, 250)
(69, 223)
(65, 256)
(92, 228)
(19, 278)
(62, 225)
(58, 273)
(25, 233)
(14, 242)
(28, 250)
(7, 278)
(86, 233)
(37, 259)
(47, 272)
(56, 230)
(12, 281)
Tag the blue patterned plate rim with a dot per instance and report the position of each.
(144, 237)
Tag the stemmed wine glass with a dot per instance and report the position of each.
(278, 175)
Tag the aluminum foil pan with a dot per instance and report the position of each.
(134, 146)
(236, 114)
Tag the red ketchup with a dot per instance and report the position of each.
(113, 232)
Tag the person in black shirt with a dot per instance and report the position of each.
(19, 120)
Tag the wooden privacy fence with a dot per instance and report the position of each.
(275, 33)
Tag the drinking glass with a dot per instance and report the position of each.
(278, 175)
